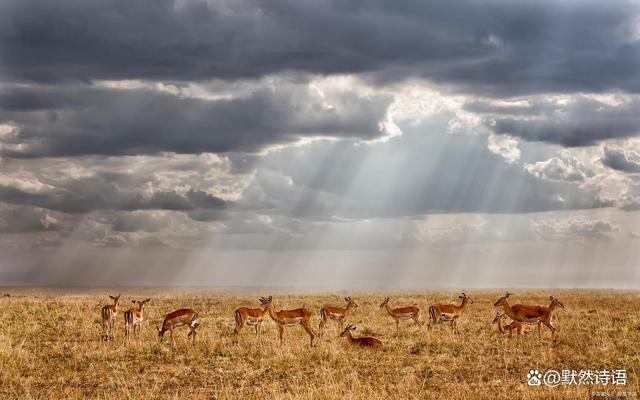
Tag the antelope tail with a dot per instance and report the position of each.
(432, 313)
(128, 318)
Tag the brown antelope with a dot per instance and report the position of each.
(181, 317)
(335, 313)
(109, 314)
(287, 318)
(448, 312)
(531, 314)
(361, 341)
(520, 328)
(402, 313)
(133, 317)
(249, 316)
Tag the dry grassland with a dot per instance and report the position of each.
(50, 348)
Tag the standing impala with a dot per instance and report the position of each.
(520, 328)
(181, 317)
(448, 312)
(109, 314)
(361, 341)
(249, 316)
(287, 318)
(133, 317)
(531, 314)
(402, 313)
(335, 313)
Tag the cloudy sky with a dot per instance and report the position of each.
(327, 144)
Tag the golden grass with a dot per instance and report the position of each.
(50, 348)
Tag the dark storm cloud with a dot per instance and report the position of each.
(581, 121)
(492, 46)
(108, 192)
(81, 120)
(618, 160)
(21, 219)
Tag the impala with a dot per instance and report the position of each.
(520, 328)
(402, 313)
(288, 318)
(181, 317)
(335, 313)
(249, 316)
(133, 317)
(448, 312)
(531, 314)
(109, 314)
(361, 341)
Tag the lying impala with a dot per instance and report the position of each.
(288, 318)
(134, 317)
(249, 316)
(402, 313)
(109, 314)
(181, 317)
(448, 312)
(335, 313)
(361, 341)
(531, 314)
(520, 328)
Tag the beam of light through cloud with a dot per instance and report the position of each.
(320, 144)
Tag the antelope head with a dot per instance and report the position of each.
(265, 302)
(464, 296)
(556, 302)
(497, 318)
(384, 303)
(502, 299)
(115, 299)
(349, 328)
(350, 302)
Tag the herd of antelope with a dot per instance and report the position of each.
(522, 316)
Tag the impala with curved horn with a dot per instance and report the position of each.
(134, 317)
(337, 314)
(448, 312)
(402, 314)
(288, 318)
(531, 314)
(249, 316)
(109, 314)
(361, 341)
(181, 317)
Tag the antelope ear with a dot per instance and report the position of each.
(134, 301)
(110, 296)
(346, 299)
(353, 328)
(147, 300)
(551, 298)
(158, 328)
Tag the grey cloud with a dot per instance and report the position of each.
(491, 46)
(100, 193)
(582, 121)
(21, 219)
(574, 227)
(140, 221)
(617, 159)
(81, 120)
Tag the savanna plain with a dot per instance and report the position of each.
(51, 348)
